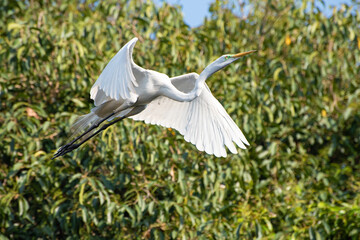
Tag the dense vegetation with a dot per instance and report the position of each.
(296, 100)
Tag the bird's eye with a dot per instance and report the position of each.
(227, 57)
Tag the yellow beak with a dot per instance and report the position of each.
(243, 54)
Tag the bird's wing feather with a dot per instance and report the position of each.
(203, 121)
(117, 80)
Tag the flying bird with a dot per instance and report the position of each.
(185, 103)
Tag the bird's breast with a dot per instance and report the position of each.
(147, 94)
(150, 86)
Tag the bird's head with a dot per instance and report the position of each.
(223, 61)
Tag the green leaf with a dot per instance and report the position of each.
(81, 194)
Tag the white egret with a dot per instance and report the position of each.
(184, 103)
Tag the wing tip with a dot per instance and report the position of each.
(132, 43)
(93, 91)
(243, 139)
(135, 39)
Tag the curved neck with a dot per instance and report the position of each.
(206, 73)
(175, 94)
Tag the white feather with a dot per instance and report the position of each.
(203, 121)
(117, 80)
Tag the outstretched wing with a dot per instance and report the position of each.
(203, 121)
(117, 80)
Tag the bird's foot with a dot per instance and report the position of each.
(65, 149)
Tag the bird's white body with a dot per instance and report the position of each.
(184, 102)
(150, 87)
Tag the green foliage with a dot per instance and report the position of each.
(296, 100)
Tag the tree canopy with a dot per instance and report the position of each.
(296, 100)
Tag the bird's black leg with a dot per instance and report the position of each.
(68, 145)
(71, 146)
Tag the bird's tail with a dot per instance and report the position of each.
(97, 115)
(83, 123)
